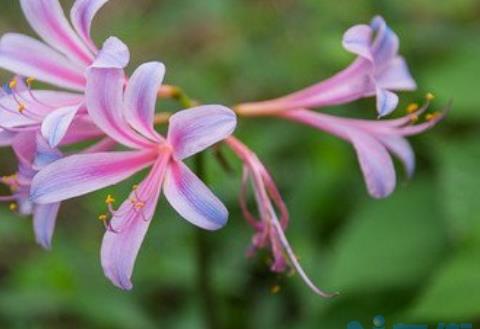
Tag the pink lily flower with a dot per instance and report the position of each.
(269, 228)
(33, 153)
(374, 142)
(126, 114)
(377, 71)
(60, 60)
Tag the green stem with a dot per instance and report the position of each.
(204, 261)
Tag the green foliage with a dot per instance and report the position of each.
(413, 257)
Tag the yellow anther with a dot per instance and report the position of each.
(12, 206)
(432, 116)
(21, 108)
(12, 84)
(275, 289)
(429, 97)
(411, 108)
(134, 187)
(103, 218)
(413, 117)
(29, 81)
(110, 200)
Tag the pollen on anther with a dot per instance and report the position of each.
(411, 108)
(431, 116)
(12, 206)
(134, 187)
(12, 84)
(429, 96)
(110, 200)
(275, 289)
(103, 217)
(29, 81)
(21, 107)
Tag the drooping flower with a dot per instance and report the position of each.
(127, 116)
(374, 141)
(378, 71)
(268, 227)
(60, 60)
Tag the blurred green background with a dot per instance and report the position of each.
(414, 257)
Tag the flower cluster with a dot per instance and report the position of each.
(96, 103)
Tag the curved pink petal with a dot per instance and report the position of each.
(357, 40)
(82, 129)
(104, 98)
(387, 102)
(56, 124)
(24, 146)
(375, 162)
(191, 131)
(45, 154)
(386, 44)
(192, 199)
(141, 97)
(113, 55)
(28, 57)
(401, 149)
(44, 218)
(82, 15)
(123, 239)
(46, 17)
(83, 173)
(396, 76)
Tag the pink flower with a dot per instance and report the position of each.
(33, 153)
(269, 228)
(60, 60)
(374, 142)
(378, 70)
(127, 116)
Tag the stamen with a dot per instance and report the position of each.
(432, 116)
(429, 97)
(411, 108)
(413, 118)
(21, 108)
(13, 206)
(275, 289)
(12, 84)
(110, 200)
(29, 81)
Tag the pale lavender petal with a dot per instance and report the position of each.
(401, 149)
(46, 17)
(358, 40)
(82, 15)
(28, 57)
(83, 173)
(387, 102)
(141, 97)
(56, 124)
(375, 162)
(113, 55)
(6, 137)
(44, 218)
(191, 131)
(123, 239)
(396, 76)
(104, 98)
(386, 44)
(45, 154)
(192, 199)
